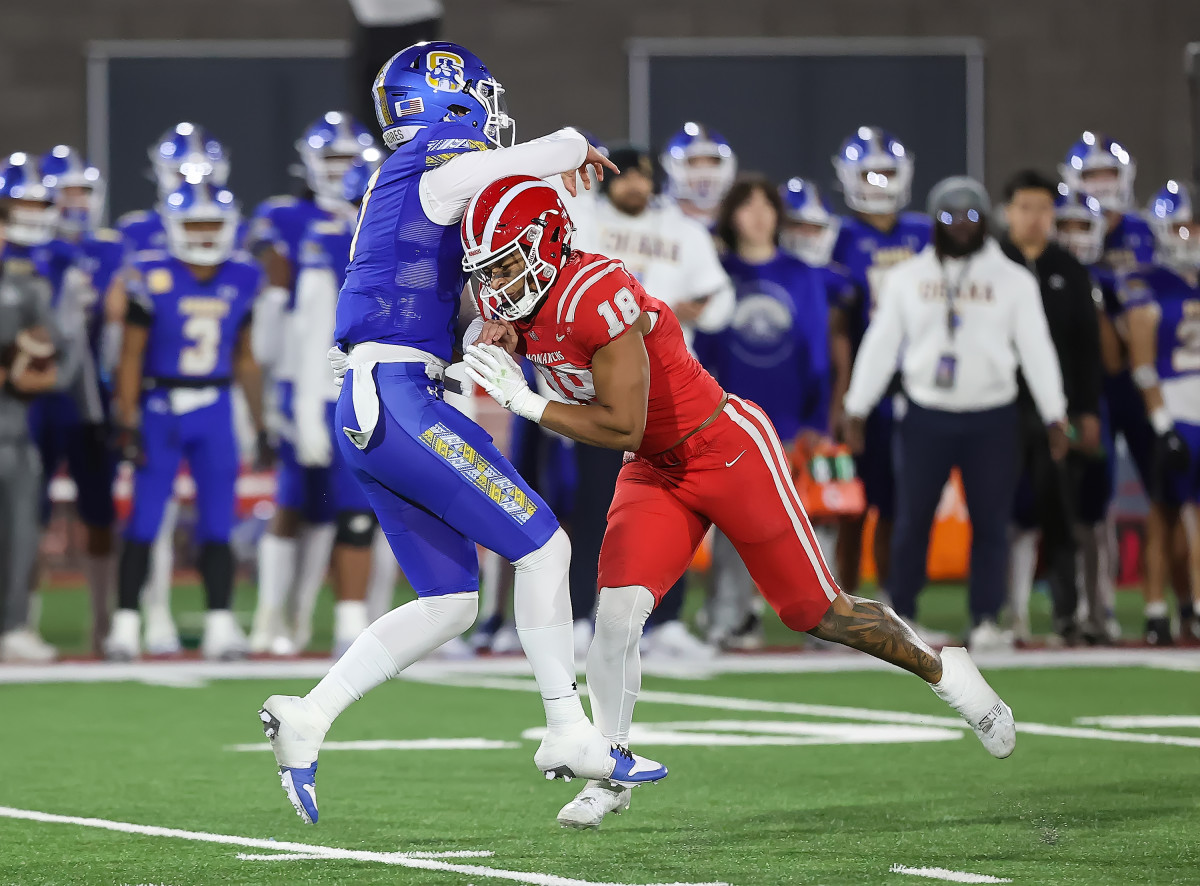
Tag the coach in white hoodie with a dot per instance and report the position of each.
(958, 319)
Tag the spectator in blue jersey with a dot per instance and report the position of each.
(775, 352)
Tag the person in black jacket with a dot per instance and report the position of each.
(1050, 489)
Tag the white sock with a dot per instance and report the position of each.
(614, 664)
(1157, 609)
(1022, 568)
(349, 619)
(381, 586)
(316, 544)
(962, 686)
(156, 593)
(391, 644)
(276, 570)
(542, 608)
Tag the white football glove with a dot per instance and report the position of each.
(494, 370)
(340, 362)
(314, 448)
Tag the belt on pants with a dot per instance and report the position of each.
(362, 359)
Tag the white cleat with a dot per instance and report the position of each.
(162, 636)
(594, 802)
(673, 640)
(123, 642)
(296, 733)
(576, 751)
(224, 639)
(964, 689)
(26, 645)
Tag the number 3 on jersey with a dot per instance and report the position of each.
(202, 329)
(628, 307)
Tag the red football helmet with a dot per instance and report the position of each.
(515, 214)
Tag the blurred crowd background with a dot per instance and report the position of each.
(773, 94)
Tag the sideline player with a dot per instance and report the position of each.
(875, 171)
(186, 339)
(433, 477)
(1162, 303)
(699, 457)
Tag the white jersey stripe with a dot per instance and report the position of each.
(584, 288)
(787, 493)
(489, 229)
(785, 467)
(579, 278)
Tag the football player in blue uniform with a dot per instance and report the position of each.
(186, 340)
(292, 563)
(185, 152)
(66, 432)
(1080, 228)
(775, 352)
(700, 167)
(810, 231)
(875, 171)
(435, 480)
(1100, 167)
(1162, 304)
(322, 257)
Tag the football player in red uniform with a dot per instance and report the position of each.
(697, 456)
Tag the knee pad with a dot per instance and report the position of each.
(554, 554)
(451, 613)
(622, 612)
(355, 529)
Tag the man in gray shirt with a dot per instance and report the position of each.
(24, 308)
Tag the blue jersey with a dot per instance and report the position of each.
(326, 245)
(405, 276)
(194, 326)
(776, 349)
(866, 254)
(1178, 304)
(1129, 243)
(281, 222)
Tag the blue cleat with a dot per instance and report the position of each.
(295, 732)
(300, 785)
(630, 769)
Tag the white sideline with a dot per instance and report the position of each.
(943, 874)
(401, 859)
(188, 671)
(412, 744)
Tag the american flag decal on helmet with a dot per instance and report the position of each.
(410, 106)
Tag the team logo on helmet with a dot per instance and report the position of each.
(445, 71)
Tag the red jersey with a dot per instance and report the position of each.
(595, 301)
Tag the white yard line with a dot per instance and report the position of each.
(943, 874)
(192, 672)
(412, 744)
(400, 859)
(1145, 721)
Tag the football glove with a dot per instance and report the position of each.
(494, 370)
(340, 362)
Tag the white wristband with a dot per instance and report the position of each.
(1161, 421)
(474, 330)
(530, 405)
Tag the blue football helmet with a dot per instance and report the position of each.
(78, 189)
(1079, 224)
(328, 147)
(1172, 216)
(200, 202)
(187, 153)
(1100, 167)
(29, 193)
(437, 81)
(700, 166)
(875, 171)
(357, 179)
(809, 229)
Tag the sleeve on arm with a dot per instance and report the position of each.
(879, 351)
(316, 303)
(446, 190)
(1035, 350)
(707, 278)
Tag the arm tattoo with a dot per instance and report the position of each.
(875, 629)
